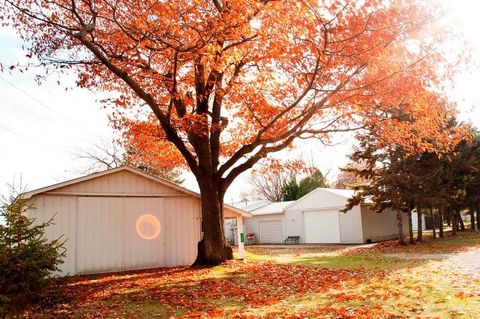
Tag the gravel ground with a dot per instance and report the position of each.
(463, 262)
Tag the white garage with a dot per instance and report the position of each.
(122, 219)
(317, 219)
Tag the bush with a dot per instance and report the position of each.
(27, 259)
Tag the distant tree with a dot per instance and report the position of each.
(293, 190)
(109, 155)
(268, 184)
(347, 179)
(311, 182)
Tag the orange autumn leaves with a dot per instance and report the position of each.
(219, 75)
(198, 293)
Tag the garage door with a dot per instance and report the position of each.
(322, 227)
(119, 233)
(270, 231)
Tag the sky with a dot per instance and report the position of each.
(44, 128)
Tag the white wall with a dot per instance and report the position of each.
(102, 236)
(318, 199)
(415, 221)
(294, 224)
(383, 226)
(63, 209)
(351, 226)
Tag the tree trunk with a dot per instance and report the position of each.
(454, 224)
(401, 237)
(434, 234)
(440, 228)
(411, 240)
(460, 221)
(419, 224)
(212, 249)
(472, 217)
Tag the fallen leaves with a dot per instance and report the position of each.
(195, 293)
(268, 289)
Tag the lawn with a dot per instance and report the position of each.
(319, 282)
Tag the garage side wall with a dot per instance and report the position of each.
(377, 227)
(351, 226)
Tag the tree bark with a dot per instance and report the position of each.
(472, 217)
(401, 237)
(411, 240)
(212, 248)
(454, 224)
(460, 221)
(434, 234)
(440, 228)
(419, 224)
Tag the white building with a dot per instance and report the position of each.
(122, 219)
(317, 218)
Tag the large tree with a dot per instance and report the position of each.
(223, 83)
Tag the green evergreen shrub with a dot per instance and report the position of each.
(28, 261)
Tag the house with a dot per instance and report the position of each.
(122, 219)
(316, 218)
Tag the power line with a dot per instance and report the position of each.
(32, 141)
(48, 107)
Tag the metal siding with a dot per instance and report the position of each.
(378, 227)
(64, 209)
(183, 232)
(108, 239)
(351, 226)
(121, 182)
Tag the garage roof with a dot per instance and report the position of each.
(136, 171)
(272, 208)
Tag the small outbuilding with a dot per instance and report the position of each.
(317, 219)
(123, 219)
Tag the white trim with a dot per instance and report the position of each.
(85, 194)
(320, 209)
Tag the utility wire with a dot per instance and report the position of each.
(32, 141)
(48, 107)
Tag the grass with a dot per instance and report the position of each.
(361, 260)
(318, 282)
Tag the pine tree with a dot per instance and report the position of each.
(27, 259)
